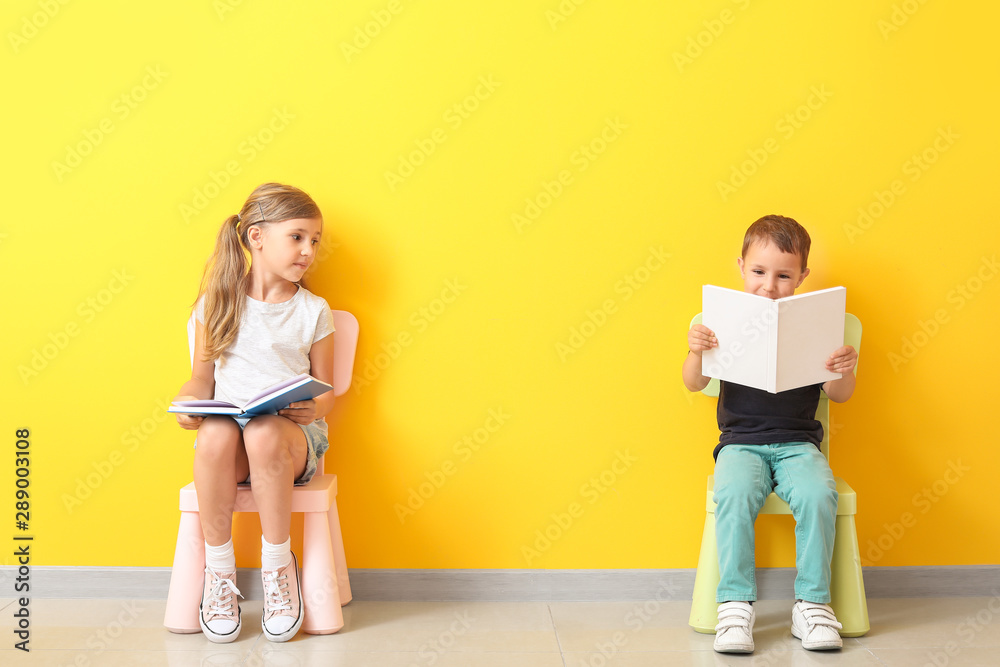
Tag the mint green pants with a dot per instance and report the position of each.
(800, 475)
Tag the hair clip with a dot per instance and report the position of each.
(238, 219)
(261, 208)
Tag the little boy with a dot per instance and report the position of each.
(770, 442)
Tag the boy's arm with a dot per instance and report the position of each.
(842, 361)
(700, 338)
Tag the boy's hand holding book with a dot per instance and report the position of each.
(701, 338)
(843, 360)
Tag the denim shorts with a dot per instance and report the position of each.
(316, 445)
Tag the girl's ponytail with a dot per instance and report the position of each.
(224, 286)
(226, 281)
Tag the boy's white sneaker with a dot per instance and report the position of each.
(816, 625)
(734, 633)
(283, 611)
(219, 611)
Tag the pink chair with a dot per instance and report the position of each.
(325, 586)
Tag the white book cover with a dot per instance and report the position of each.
(772, 344)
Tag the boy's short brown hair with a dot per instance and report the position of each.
(788, 235)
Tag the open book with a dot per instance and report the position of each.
(774, 345)
(268, 402)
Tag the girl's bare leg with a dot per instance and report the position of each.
(276, 449)
(220, 463)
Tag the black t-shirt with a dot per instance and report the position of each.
(749, 416)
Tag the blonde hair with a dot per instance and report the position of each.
(785, 233)
(226, 280)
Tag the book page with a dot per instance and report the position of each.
(303, 388)
(741, 322)
(278, 388)
(810, 328)
(204, 407)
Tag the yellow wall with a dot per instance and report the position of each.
(522, 202)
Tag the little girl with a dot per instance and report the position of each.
(257, 326)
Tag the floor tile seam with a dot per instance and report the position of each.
(253, 648)
(874, 655)
(555, 632)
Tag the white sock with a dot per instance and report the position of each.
(221, 559)
(274, 556)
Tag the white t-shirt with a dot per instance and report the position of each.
(272, 345)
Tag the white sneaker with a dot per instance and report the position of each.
(816, 625)
(734, 633)
(282, 602)
(219, 611)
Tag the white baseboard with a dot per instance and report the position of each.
(151, 583)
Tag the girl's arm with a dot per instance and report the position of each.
(321, 368)
(202, 382)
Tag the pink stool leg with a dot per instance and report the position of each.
(320, 592)
(187, 579)
(339, 558)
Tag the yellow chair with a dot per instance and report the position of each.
(847, 587)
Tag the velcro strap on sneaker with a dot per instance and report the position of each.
(732, 622)
(821, 615)
(735, 609)
(733, 615)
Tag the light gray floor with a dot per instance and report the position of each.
(905, 631)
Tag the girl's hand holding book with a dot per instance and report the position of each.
(189, 422)
(301, 412)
